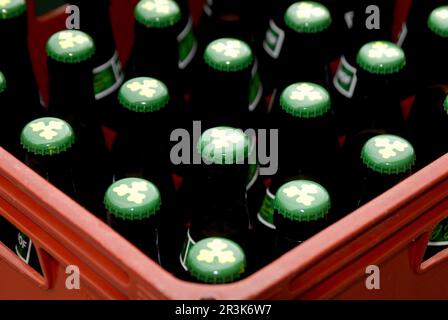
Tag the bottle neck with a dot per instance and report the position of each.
(57, 169)
(142, 233)
(71, 97)
(380, 97)
(95, 21)
(221, 209)
(306, 146)
(374, 184)
(291, 233)
(222, 97)
(155, 52)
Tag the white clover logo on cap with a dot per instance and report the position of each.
(68, 40)
(306, 10)
(231, 48)
(380, 49)
(134, 192)
(145, 88)
(217, 250)
(303, 195)
(159, 6)
(305, 91)
(47, 131)
(4, 3)
(388, 148)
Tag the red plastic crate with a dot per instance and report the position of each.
(391, 232)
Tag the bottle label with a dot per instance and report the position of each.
(403, 35)
(253, 165)
(266, 214)
(256, 88)
(439, 236)
(208, 7)
(107, 77)
(188, 244)
(348, 17)
(23, 247)
(273, 42)
(345, 79)
(187, 45)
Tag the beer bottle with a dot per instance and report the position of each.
(164, 45)
(72, 98)
(304, 24)
(307, 140)
(7, 136)
(228, 89)
(423, 38)
(224, 18)
(141, 150)
(380, 72)
(387, 159)
(49, 152)
(221, 209)
(346, 80)
(427, 118)
(15, 64)
(145, 109)
(301, 208)
(215, 261)
(133, 207)
(107, 72)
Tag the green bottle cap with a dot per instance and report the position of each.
(11, 8)
(224, 145)
(388, 154)
(132, 199)
(305, 100)
(308, 17)
(157, 13)
(228, 55)
(2, 82)
(381, 57)
(445, 104)
(144, 95)
(438, 21)
(70, 46)
(47, 136)
(302, 200)
(216, 260)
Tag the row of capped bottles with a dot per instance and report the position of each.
(225, 83)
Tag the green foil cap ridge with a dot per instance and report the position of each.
(381, 57)
(11, 8)
(438, 21)
(305, 100)
(47, 136)
(157, 13)
(308, 17)
(228, 55)
(144, 95)
(132, 199)
(70, 46)
(216, 260)
(3, 83)
(302, 200)
(388, 154)
(224, 145)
